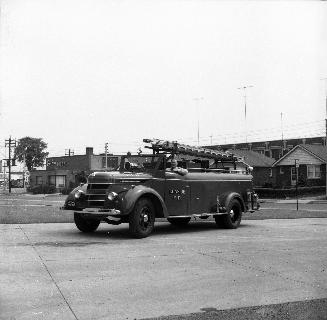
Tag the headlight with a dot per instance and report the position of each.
(78, 194)
(112, 196)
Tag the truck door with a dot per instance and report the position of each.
(177, 194)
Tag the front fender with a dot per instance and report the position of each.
(132, 196)
(71, 198)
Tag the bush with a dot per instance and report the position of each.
(44, 188)
(66, 190)
(282, 193)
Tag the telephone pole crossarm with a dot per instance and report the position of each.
(10, 161)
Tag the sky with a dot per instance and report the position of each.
(82, 73)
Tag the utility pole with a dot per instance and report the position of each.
(197, 100)
(325, 80)
(10, 161)
(106, 152)
(281, 124)
(244, 90)
(296, 163)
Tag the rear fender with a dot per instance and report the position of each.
(226, 198)
(134, 194)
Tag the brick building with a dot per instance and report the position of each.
(68, 171)
(274, 148)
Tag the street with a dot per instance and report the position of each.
(263, 269)
(27, 208)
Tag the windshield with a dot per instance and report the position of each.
(140, 163)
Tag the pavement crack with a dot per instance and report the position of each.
(49, 273)
(260, 270)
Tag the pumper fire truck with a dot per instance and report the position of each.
(205, 183)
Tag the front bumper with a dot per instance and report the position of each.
(94, 211)
(111, 216)
(100, 212)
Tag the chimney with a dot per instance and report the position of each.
(89, 151)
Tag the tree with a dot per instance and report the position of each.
(31, 151)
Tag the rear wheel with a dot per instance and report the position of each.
(141, 220)
(233, 218)
(179, 222)
(85, 225)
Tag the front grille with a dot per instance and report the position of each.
(96, 194)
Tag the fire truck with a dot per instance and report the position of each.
(175, 181)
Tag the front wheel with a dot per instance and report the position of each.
(233, 218)
(141, 220)
(85, 225)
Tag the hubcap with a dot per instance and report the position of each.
(145, 218)
(234, 214)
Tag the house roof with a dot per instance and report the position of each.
(254, 159)
(318, 151)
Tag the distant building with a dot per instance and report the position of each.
(272, 148)
(262, 166)
(311, 160)
(68, 171)
(17, 176)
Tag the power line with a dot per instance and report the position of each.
(292, 129)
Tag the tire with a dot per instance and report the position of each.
(179, 222)
(85, 225)
(141, 220)
(233, 218)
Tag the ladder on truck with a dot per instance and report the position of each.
(174, 147)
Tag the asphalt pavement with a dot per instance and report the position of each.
(267, 269)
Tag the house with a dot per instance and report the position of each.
(261, 164)
(310, 162)
(271, 148)
(68, 171)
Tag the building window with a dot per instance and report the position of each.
(294, 176)
(58, 181)
(276, 153)
(281, 170)
(270, 173)
(52, 180)
(112, 162)
(313, 171)
(259, 151)
(39, 180)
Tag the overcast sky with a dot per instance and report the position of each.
(82, 73)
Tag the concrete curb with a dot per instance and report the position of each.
(288, 201)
